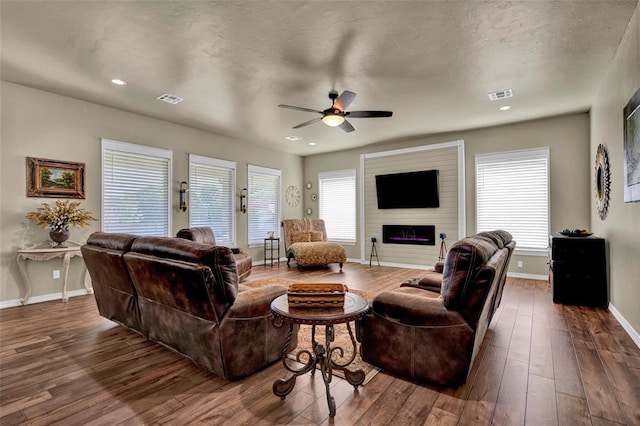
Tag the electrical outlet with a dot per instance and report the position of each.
(56, 274)
(520, 263)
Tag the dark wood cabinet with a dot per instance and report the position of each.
(579, 271)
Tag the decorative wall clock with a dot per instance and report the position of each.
(603, 181)
(292, 196)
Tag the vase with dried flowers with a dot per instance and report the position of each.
(59, 218)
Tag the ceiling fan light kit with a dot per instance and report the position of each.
(333, 120)
(335, 116)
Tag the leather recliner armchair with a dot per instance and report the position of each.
(433, 332)
(204, 234)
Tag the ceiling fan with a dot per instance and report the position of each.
(336, 116)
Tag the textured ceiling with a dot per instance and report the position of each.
(431, 62)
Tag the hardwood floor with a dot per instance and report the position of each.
(540, 364)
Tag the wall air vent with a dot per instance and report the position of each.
(502, 94)
(172, 99)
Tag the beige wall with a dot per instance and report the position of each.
(40, 124)
(621, 228)
(567, 137)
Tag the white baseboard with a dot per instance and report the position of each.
(625, 324)
(261, 262)
(395, 265)
(528, 276)
(42, 298)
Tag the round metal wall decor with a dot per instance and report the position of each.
(603, 181)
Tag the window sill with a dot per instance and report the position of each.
(343, 242)
(532, 252)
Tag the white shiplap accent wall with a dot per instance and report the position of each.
(447, 159)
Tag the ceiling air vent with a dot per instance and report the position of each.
(172, 99)
(503, 94)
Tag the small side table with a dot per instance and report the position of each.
(44, 252)
(270, 248)
(354, 308)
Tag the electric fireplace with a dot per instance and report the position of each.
(424, 235)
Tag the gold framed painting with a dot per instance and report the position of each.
(54, 178)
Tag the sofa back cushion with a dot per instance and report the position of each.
(199, 234)
(174, 283)
(462, 265)
(187, 272)
(103, 256)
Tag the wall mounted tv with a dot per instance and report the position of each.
(412, 190)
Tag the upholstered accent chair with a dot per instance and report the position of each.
(431, 329)
(204, 234)
(306, 242)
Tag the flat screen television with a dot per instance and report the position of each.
(411, 190)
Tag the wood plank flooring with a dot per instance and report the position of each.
(540, 364)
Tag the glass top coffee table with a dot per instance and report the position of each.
(320, 355)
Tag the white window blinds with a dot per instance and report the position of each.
(263, 202)
(212, 196)
(512, 193)
(337, 193)
(136, 196)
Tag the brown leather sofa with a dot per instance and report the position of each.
(204, 234)
(185, 295)
(431, 329)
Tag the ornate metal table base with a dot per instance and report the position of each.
(320, 356)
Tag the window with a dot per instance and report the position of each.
(136, 196)
(212, 185)
(512, 193)
(263, 203)
(337, 193)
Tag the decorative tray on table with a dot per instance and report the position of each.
(316, 295)
(575, 232)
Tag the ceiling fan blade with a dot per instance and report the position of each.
(346, 126)
(368, 114)
(299, 108)
(306, 123)
(344, 100)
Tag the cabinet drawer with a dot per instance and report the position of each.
(578, 286)
(581, 250)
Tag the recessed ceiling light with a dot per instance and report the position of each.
(294, 138)
(312, 143)
(505, 108)
(118, 82)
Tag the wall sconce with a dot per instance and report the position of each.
(183, 196)
(243, 204)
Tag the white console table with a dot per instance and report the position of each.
(44, 252)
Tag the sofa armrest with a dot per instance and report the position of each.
(430, 280)
(255, 302)
(415, 307)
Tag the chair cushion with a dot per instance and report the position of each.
(317, 253)
(315, 236)
(300, 237)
